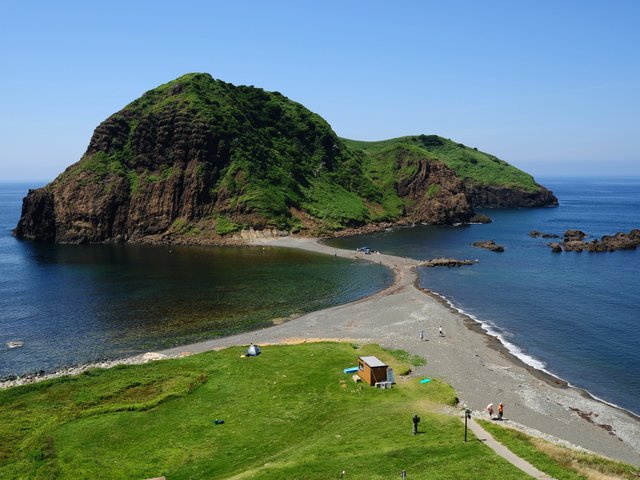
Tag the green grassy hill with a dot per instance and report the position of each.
(201, 158)
(469, 164)
(257, 154)
(289, 413)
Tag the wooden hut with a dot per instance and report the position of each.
(372, 370)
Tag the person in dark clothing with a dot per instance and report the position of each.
(416, 421)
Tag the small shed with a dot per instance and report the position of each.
(372, 370)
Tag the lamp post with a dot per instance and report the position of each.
(467, 416)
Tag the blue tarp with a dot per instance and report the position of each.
(350, 370)
(425, 380)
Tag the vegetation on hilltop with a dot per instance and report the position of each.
(469, 164)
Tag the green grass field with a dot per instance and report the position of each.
(289, 413)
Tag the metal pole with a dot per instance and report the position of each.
(465, 428)
(467, 415)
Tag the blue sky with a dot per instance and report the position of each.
(549, 86)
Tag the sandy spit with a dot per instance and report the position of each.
(480, 369)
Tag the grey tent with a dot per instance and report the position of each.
(253, 351)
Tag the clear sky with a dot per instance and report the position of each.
(552, 87)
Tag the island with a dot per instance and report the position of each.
(199, 160)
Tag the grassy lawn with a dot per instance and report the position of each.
(289, 413)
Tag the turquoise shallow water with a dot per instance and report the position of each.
(80, 303)
(575, 315)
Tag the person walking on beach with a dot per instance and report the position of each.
(440, 332)
(421, 335)
(500, 411)
(490, 410)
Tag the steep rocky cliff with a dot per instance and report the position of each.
(197, 159)
(491, 196)
(488, 181)
(430, 191)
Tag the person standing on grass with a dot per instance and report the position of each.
(490, 410)
(500, 411)
(416, 421)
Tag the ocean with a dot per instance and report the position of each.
(62, 305)
(574, 315)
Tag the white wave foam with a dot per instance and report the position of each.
(494, 331)
(516, 351)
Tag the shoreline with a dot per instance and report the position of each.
(495, 342)
(475, 363)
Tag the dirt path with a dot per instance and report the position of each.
(485, 437)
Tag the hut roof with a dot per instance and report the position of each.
(373, 361)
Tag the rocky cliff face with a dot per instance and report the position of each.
(486, 196)
(198, 159)
(37, 221)
(435, 194)
(94, 201)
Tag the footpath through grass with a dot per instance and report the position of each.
(560, 462)
(289, 413)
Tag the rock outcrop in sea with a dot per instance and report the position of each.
(537, 234)
(446, 262)
(573, 241)
(489, 245)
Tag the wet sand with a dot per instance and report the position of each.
(477, 365)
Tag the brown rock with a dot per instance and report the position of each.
(573, 242)
(555, 247)
(436, 194)
(479, 218)
(446, 262)
(537, 234)
(37, 221)
(574, 235)
(489, 245)
(168, 185)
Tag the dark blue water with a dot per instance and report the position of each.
(73, 304)
(576, 315)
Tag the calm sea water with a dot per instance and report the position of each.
(576, 315)
(75, 304)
